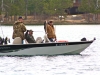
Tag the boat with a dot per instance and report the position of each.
(48, 48)
(44, 48)
(52, 48)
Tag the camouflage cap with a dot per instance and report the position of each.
(20, 17)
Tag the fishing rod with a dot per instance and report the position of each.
(1, 29)
(38, 31)
(5, 39)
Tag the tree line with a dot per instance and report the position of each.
(90, 7)
(42, 8)
(45, 8)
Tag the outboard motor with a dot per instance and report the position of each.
(84, 39)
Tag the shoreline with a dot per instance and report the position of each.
(55, 23)
(69, 20)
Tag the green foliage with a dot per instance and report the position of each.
(49, 7)
(14, 7)
(90, 6)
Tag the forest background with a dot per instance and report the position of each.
(37, 11)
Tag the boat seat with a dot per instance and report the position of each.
(17, 40)
(39, 40)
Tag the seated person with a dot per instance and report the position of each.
(29, 36)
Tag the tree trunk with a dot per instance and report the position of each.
(88, 17)
(11, 18)
(15, 18)
(26, 9)
(35, 16)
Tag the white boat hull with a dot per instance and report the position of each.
(52, 50)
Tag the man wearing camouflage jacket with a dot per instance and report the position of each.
(19, 29)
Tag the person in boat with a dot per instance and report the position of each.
(29, 36)
(19, 29)
(6, 40)
(50, 30)
(1, 41)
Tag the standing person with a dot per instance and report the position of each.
(51, 31)
(19, 29)
(29, 36)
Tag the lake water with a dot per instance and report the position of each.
(88, 63)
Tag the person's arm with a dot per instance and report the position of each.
(26, 34)
(29, 39)
(45, 26)
(34, 40)
(23, 27)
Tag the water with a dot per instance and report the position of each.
(85, 64)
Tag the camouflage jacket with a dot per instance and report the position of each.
(18, 30)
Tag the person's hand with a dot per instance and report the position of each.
(46, 33)
(27, 30)
(55, 39)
